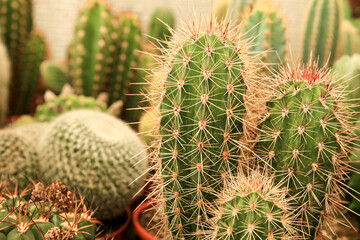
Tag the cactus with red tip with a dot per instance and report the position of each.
(306, 140)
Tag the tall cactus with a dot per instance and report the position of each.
(89, 51)
(99, 155)
(266, 26)
(34, 53)
(4, 82)
(322, 29)
(254, 208)
(305, 139)
(162, 20)
(204, 82)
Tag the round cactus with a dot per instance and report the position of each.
(99, 155)
(305, 139)
(253, 208)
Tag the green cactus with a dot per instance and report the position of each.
(321, 35)
(89, 51)
(55, 76)
(349, 39)
(305, 139)
(348, 70)
(4, 82)
(266, 26)
(33, 55)
(99, 155)
(236, 9)
(44, 213)
(162, 20)
(201, 110)
(252, 207)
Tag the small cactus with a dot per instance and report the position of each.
(237, 9)
(349, 39)
(161, 23)
(99, 155)
(322, 30)
(306, 136)
(4, 82)
(55, 76)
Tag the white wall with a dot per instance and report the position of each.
(57, 17)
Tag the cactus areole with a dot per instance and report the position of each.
(201, 122)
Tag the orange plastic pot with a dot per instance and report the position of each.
(140, 230)
(119, 234)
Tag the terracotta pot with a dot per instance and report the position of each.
(119, 234)
(142, 233)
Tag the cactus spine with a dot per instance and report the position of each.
(322, 29)
(162, 20)
(201, 112)
(305, 138)
(98, 154)
(267, 27)
(4, 82)
(34, 53)
(252, 207)
(89, 51)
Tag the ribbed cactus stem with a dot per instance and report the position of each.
(321, 35)
(201, 121)
(89, 51)
(305, 139)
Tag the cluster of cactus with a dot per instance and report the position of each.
(65, 102)
(26, 48)
(321, 37)
(266, 27)
(97, 153)
(4, 82)
(45, 213)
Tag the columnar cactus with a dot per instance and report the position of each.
(45, 213)
(322, 30)
(55, 76)
(201, 108)
(267, 28)
(162, 20)
(349, 39)
(34, 53)
(99, 155)
(4, 82)
(305, 139)
(89, 51)
(252, 207)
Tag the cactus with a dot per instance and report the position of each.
(55, 76)
(45, 213)
(322, 29)
(4, 82)
(305, 139)
(349, 39)
(266, 26)
(99, 155)
(237, 9)
(162, 20)
(33, 55)
(201, 107)
(89, 51)
(66, 101)
(252, 207)
(348, 70)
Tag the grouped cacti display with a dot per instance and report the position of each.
(253, 207)
(266, 27)
(161, 23)
(306, 138)
(65, 102)
(320, 39)
(45, 213)
(32, 56)
(89, 51)
(201, 108)
(55, 76)
(4, 82)
(98, 154)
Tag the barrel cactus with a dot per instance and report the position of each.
(253, 207)
(266, 26)
(99, 155)
(204, 79)
(45, 213)
(320, 39)
(306, 137)
(4, 82)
